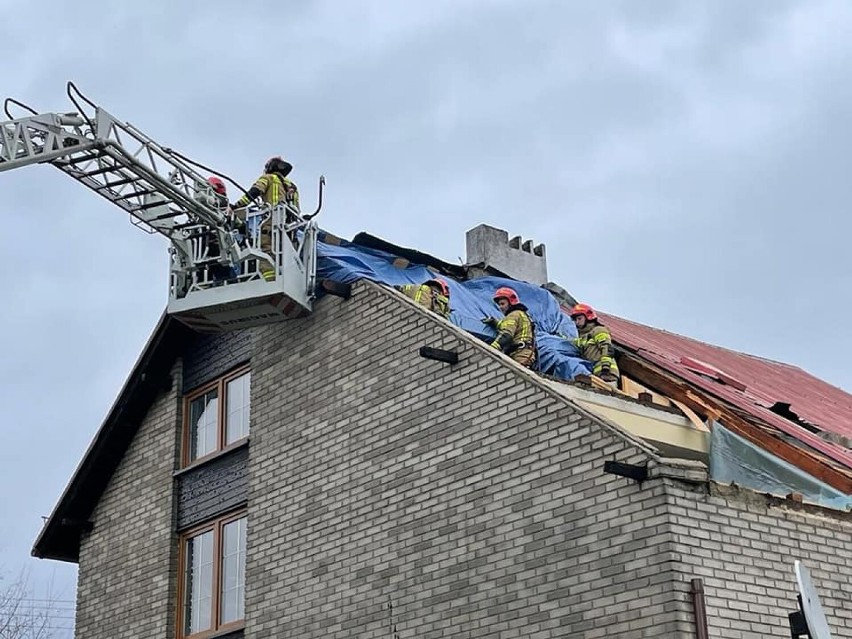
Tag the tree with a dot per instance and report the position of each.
(21, 615)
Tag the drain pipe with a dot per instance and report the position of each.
(700, 608)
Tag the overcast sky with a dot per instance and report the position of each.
(685, 163)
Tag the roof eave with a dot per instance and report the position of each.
(59, 538)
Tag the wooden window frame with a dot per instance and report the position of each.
(220, 385)
(217, 526)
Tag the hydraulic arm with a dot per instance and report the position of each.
(118, 162)
(214, 283)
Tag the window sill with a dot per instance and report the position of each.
(224, 632)
(203, 461)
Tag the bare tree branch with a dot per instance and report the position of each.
(21, 615)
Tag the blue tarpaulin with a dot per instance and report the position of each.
(734, 459)
(470, 301)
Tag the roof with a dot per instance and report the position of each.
(771, 391)
(776, 393)
(60, 537)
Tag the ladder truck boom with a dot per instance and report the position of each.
(214, 280)
(113, 158)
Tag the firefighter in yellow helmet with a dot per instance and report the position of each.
(433, 294)
(515, 332)
(274, 188)
(595, 343)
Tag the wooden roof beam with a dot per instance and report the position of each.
(813, 463)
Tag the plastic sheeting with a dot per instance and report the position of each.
(736, 460)
(470, 301)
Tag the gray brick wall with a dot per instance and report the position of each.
(126, 580)
(389, 491)
(206, 356)
(471, 500)
(743, 546)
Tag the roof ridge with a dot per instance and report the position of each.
(710, 344)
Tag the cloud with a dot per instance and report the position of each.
(683, 162)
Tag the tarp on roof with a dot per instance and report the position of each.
(470, 301)
(735, 460)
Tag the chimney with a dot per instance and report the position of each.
(520, 260)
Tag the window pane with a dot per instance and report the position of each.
(203, 418)
(237, 398)
(233, 571)
(198, 584)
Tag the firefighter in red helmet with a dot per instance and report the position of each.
(595, 343)
(433, 294)
(274, 188)
(218, 187)
(212, 193)
(515, 331)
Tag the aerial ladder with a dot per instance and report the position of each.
(214, 280)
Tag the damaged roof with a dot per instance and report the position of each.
(784, 396)
(793, 408)
(799, 406)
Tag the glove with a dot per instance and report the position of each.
(605, 368)
(490, 321)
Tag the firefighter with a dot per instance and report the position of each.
(595, 343)
(274, 188)
(433, 294)
(214, 194)
(515, 332)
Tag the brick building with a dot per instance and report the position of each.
(374, 492)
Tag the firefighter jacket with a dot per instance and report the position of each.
(274, 188)
(595, 345)
(428, 297)
(516, 336)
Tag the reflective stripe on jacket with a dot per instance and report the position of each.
(427, 297)
(516, 336)
(595, 344)
(274, 189)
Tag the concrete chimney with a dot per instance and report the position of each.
(517, 259)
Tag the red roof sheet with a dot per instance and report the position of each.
(751, 383)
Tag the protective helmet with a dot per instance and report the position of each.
(278, 165)
(507, 293)
(440, 284)
(584, 309)
(217, 185)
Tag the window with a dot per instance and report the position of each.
(213, 425)
(213, 577)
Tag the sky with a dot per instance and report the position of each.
(684, 163)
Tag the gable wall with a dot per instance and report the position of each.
(463, 501)
(458, 501)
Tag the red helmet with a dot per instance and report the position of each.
(508, 294)
(218, 185)
(440, 284)
(584, 309)
(278, 165)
